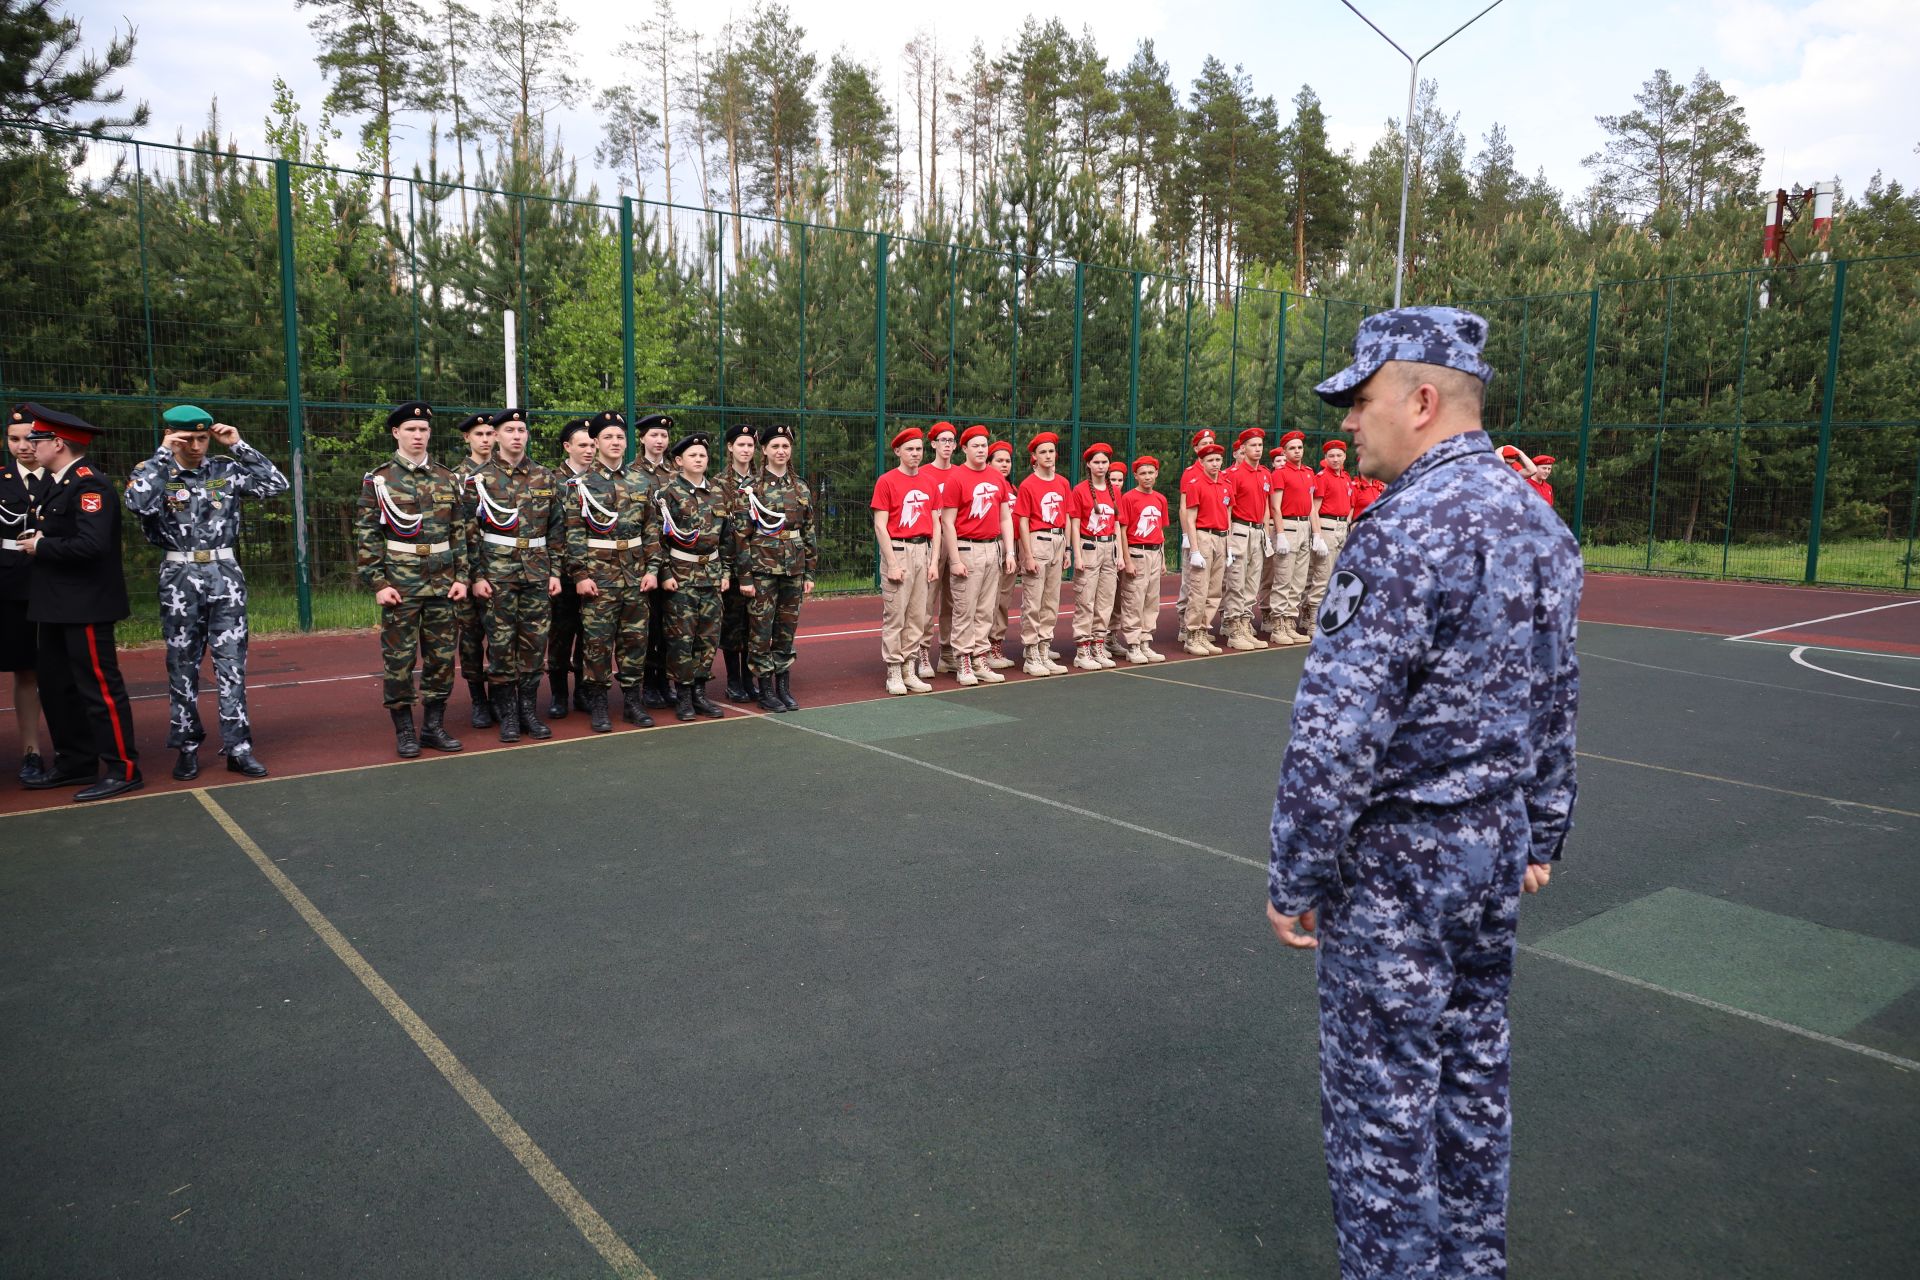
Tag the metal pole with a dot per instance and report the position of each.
(510, 335)
(1186, 361)
(1586, 419)
(1826, 420)
(720, 318)
(801, 426)
(1406, 158)
(1013, 405)
(413, 286)
(1280, 369)
(520, 225)
(629, 375)
(146, 293)
(953, 319)
(1133, 375)
(296, 432)
(881, 244)
(1233, 362)
(1079, 315)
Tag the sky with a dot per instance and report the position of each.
(1831, 87)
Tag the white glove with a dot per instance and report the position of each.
(1231, 559)
(1281, 547)
(1267, 538)
(1197, 560)
(1319, 546)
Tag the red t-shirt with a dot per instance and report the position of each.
(1144, 514)
(1207, 499)
(1095, 509)
(1364, 492)
(976, 498)
(908, 501)
(1294, 481)
(1043, 503)
(1335, 491)
(1544, 489)
(1250, 489)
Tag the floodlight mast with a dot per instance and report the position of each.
(1406, 151)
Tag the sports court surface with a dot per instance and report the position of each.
(967, 984)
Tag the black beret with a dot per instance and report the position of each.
(18, 413)
(737, 430)
(50, 424)
(688, 441)
(608, 418)
(778, 431)
(505, 416)
(574, 427)
(653, 422)
(408, 412)
(473, 420)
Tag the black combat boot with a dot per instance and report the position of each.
(434, 733)
(403, 739)
(653, 690)
(683, 704)
(786, 693)
(579, 693)
(483, 709)
(187, 767)
(241, 760)
(635, 711)
(530, 721)
(557, 707)
(702, 704)
(506, 710)
(736, 687)
(597, 711)
(768, 695)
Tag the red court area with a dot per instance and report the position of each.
(315, 699)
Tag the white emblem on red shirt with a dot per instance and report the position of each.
(1148, 522)
(911, 506)
(1050, 507)
(983, 496)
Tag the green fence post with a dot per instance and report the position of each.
(1826, 419)
(1660, 430)
(413, 286)
(526, 325)
(146, 291)
(1280, 369)
(1913, 522)
(720, 318)
(953, 319)
(296, 433)
(1586, 419)
(800, 427)
(1739, 411)
(1013, 404)
(629, 375)
(881, 245)
(1186, 360)
(1079, 315)
(1133, 374)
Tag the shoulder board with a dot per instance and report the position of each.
(81, 473)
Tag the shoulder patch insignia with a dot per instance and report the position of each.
(90, 503)
(1344, 595)
(81, 473)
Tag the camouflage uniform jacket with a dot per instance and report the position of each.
(698, 545)
(521, 505)
(777, 526)
(1442, 677)
(199, 510)
(410, 531)
(608, 507)
(659, 472)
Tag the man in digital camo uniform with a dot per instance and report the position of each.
(189, 507)
(514, 550)
(477, 431)
(1428, 781)
(697, 558)
(410, 549)
(781, 559)
(612, 535)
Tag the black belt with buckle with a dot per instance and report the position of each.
(1204, 529)
(1247, 524)
(916, 541)
(1092, 538)
(1335, 519)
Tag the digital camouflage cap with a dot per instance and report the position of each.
(1446, 336)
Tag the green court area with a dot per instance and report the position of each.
(973, 984)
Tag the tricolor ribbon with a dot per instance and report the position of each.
(597, 517)
(400, 522)
(671, 528)
(765, 519)
(492, 514)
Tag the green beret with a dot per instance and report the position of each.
(188, 417)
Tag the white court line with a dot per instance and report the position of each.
(1808, 1033)
(1832, 617)
(1764, 684)
(1829, 648)
(1795, 655)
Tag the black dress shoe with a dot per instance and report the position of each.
(187, 767)
(240, 760)
(107, 788)
(31, 764)
(48, 779)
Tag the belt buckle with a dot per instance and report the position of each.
(422, 549)
(521, 542)
(202, 557)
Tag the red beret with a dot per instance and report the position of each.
(1000, 446)
(1202, 436)
(934, 432)
(1144, 461)
(907, 436)
(1509, 452)
(1291, 436)
(1045, 437)
(1331, 445)
(1543, 460)
(1209, 449)
(1105, 450)
(1251, 433)
(975, 432)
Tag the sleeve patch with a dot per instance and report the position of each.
(1342, 604)
(90, 503)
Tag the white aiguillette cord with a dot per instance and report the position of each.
(764, 516)
(496, 514)
(400, 521)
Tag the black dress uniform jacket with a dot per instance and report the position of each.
(18, 496)
(77, 576)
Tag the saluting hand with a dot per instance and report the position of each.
(1293, 931)
(227, 435)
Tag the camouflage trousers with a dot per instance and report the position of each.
(613, 631)
(202, 607)
(517, 617)
(1415, 962)
(472, 617)
(566, 647)
(426, 626)
(736, 622)
(693, 631)
(774, 612)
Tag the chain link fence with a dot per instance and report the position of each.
(1754, 424)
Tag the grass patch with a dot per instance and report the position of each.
(1854, 562)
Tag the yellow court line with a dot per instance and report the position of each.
(617, 1253)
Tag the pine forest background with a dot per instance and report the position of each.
(1037, 240)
